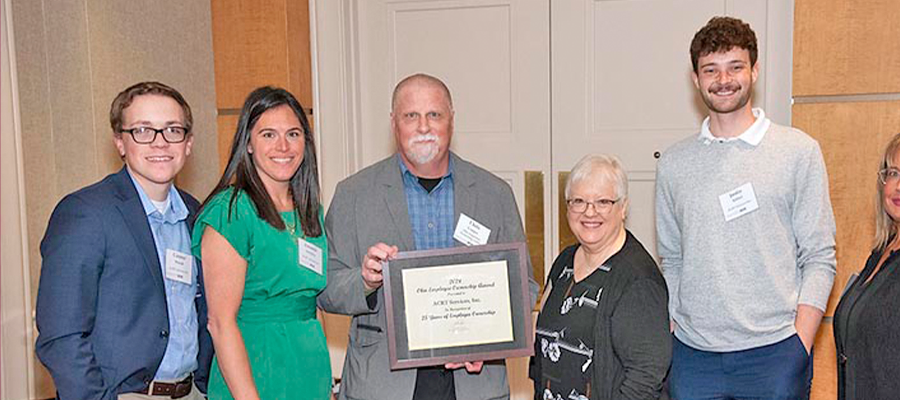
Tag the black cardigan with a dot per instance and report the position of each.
(867, 333)
(633, 345)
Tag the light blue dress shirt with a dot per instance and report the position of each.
(170, 231)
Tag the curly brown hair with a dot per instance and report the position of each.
(721, 34)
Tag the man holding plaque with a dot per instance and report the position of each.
(415, 199)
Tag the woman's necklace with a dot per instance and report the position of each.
(292, 227)
(588, 266)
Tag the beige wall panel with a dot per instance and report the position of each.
(31, 60)
(846, 47)
(251, 47)
(824, 385)
(38, 150)
(69, 84)
(176, 49)
(852, 137)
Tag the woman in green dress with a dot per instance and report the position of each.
(261, 239)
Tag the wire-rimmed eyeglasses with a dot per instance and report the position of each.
(889, 175)
(579, 205)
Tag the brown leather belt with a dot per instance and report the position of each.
(175, 390)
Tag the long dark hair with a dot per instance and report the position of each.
(241, 174)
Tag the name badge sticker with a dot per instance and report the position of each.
(310, 256)
(179, 266)
(470, 232)
(738, 202)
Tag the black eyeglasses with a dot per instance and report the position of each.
(146, 134)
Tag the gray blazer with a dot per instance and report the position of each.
(370, 207)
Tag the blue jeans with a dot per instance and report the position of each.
(781, 370)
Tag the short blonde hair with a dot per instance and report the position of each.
(885, 226)
(606, 165)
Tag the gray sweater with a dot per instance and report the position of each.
(736, 285)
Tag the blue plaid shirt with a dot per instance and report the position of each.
(430, 214)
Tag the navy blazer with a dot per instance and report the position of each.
(101, 305)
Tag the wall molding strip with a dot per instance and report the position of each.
(847, 98)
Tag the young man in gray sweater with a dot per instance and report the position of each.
(746, 236)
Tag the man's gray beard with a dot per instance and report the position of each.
(422, 152)
(421, 157)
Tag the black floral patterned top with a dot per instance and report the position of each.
(565, 334)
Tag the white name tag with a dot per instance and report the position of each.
(179, 266)
(738, 202)
(469, 232)
(310, 256)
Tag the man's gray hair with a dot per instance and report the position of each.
(607, 166)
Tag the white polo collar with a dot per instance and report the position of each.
(753, 135)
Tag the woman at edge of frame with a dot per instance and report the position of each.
(867, 317)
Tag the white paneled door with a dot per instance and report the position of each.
(492, 54)
(620, 82)
(536, 84)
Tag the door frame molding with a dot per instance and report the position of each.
(335, 76)
(19, 335)
(780, 60)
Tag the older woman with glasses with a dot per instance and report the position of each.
(603, 330)
(867, 317)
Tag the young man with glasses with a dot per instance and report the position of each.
(120, 308)
(745, 233)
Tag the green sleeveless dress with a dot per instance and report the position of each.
(285, 344)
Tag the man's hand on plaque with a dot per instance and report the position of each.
(372, 263)
(472, 367)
